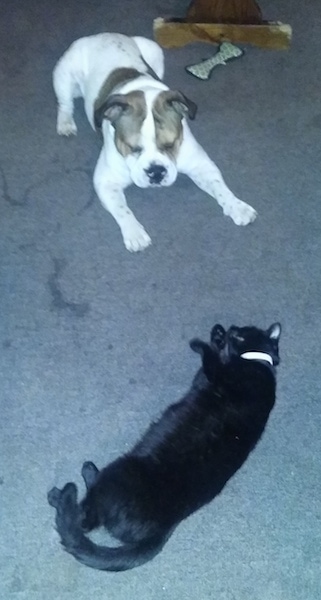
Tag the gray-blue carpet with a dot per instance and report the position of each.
(95, 340)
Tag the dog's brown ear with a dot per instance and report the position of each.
(111, 110)
(183, 106)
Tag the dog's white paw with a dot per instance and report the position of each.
(241, 213)
(66, 125)
(136, 238)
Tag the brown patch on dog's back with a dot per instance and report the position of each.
(114, 79)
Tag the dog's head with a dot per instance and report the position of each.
(148, 132)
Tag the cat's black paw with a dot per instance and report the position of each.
(62, 499)
(198, 346)
(67, 516)
(68, 495)
(89, 473)
(54, 497)
(218, 336)
(209, 357)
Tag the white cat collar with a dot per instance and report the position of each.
(258, 356)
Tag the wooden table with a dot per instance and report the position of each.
(217, 21)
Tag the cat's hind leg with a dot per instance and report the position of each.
(90, 474)
(218, 336)
(67, 513)
(210, 357)
(87, 508)
(54, 497)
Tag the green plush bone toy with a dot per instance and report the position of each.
(204, 69)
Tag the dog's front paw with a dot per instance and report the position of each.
(66, 125)
(241, 213)
(136, 238)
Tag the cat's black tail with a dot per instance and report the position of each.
(119, 558)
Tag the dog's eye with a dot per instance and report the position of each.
(136, 149)
(169, 146)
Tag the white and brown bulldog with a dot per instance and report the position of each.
(146, 139)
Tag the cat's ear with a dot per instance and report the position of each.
(218, 336)
(274, 331)
(209, 357)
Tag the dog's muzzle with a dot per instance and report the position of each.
(156, 173)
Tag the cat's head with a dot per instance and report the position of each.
(251, 342)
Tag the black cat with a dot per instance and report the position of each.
(183, 461)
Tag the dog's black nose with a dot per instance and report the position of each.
(155, 173)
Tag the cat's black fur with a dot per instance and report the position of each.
(182, 462)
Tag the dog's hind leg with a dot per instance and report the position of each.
(66, 89)
(152, 54)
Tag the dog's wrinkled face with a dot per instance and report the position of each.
(148, 132)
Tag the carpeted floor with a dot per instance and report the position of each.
(95, 340)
